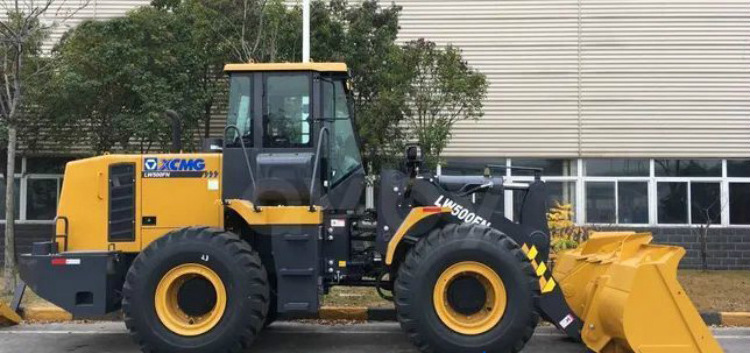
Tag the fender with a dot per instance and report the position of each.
(275, 215)
(420, 220)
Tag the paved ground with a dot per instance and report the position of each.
(283, 338)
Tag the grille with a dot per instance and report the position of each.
(122, 202)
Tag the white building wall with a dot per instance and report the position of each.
(66, 14)
(597, 78)
(665, 78)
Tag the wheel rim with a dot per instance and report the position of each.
(482, 305)
(183, 299)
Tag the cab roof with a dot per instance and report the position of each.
(321, 67)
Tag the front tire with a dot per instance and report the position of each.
(467, 288)
(196, 290)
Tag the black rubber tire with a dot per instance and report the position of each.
(235, 263)
(444, 247)
(273, 312)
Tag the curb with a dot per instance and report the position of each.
(334, 313)
(736, 319)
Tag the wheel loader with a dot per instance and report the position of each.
(201, 251)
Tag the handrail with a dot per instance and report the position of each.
(537, 171)
(316, 165)
(65, 235)
(247, 162)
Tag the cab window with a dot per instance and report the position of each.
(240, 112)
(345, 156)
(286, 118)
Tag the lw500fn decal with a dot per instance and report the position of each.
(154, 167)
(460, 212)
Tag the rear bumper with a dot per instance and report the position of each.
(84, 284)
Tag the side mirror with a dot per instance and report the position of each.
(414, 159)
(413, 154)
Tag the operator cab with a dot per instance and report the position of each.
(290, 138)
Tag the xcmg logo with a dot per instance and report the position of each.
(174, 164)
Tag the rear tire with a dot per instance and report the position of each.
(196, 290)
(498, 316)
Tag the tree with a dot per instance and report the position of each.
(706, 211)
(444, 90)
(214, 32)
(21, 34)
(205, 41)
(380, 74)
(160, 65)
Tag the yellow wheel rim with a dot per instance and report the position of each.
(490, 313)
(168, 307)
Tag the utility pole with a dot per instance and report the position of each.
(306, 31)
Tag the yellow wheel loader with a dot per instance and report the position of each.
(202, 250)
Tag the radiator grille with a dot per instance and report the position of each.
(122, 202)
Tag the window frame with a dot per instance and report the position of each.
(330, 122)
(728, 203)
(580, 180)
(509, 207)
(313, 109)
(251, 112)
(23, 194)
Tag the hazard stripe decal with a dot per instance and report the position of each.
(546, 282)
(541, 269)
(532, 253)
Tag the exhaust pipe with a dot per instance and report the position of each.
(176, 123)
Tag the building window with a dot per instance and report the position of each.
(617, 191)
(639, 192)
(738, 168)
(41, 199)
(551, 167)
(739, 203)
(672, 201)
(705, 203)
(632, 202)
(701, 199)
(38, 185)
(687, 167)
(617, 168)
(617, 202)
(560, 192)
(600, 202)
(17, 191)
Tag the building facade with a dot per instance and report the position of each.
(638, 111)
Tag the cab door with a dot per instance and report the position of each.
(345, 175)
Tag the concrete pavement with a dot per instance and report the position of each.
(285, 337)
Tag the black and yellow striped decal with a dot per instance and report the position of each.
(546, 282)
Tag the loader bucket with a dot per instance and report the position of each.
(626, 292)
(8, 317)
